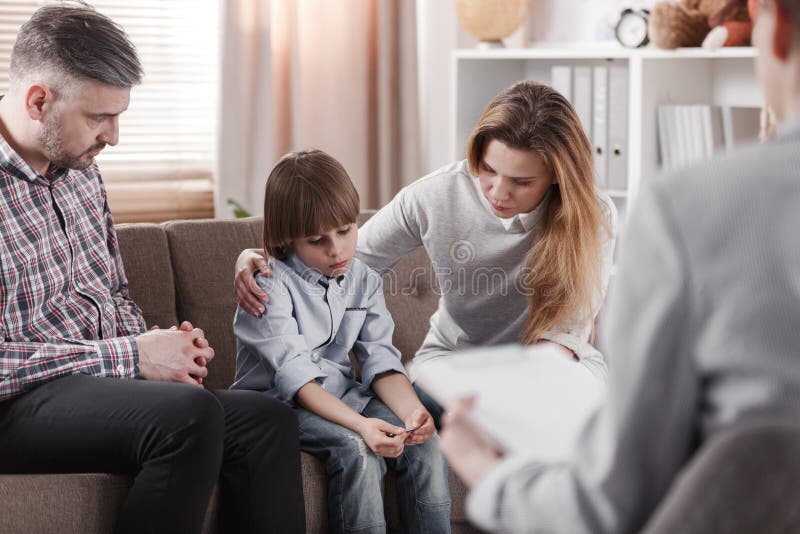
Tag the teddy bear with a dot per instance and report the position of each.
(690, 22)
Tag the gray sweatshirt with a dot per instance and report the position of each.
(701, 333)
(479, 263)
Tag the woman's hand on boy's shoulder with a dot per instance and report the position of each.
(376, 435)
(248, 293)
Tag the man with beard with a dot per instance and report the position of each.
(83, 386)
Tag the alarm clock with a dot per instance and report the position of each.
(631, 30)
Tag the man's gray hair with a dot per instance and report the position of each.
(77, 41)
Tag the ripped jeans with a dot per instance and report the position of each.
(355, 502)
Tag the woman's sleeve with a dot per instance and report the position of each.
(391, 233)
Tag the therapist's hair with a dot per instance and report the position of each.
(563, 268)
(69, 42)
(307, 193)
(792, 8)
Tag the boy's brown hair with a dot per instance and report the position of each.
(307, 192)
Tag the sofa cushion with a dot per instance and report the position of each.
(68, 504)
(203, 255)
(75, 503)
(410, 291)
(145, 255)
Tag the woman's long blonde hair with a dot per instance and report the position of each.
(563, 268)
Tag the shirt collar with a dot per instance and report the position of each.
(311, 275)
(13, 163)
(527, 220)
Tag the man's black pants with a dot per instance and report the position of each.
(177, 440)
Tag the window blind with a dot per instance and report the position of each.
(163, 166)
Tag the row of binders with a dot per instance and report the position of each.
(599, 95)
(692, 133)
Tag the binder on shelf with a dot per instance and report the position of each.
(561, 80)
(740, 125)
(617, 176)
(600, 123)
(582, 97)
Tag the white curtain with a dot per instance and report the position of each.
(340, 76)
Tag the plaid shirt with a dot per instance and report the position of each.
(64, 305)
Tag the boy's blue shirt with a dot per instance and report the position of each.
(310, 325)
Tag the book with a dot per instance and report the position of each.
(682, 143)
(712, 129)
(530, 400)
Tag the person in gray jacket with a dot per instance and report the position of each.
(700, 332)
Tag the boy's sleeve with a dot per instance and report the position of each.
(374, 349)
(274, 339)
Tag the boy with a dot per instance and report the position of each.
(323, 304)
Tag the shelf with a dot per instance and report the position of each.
(616, 193)
(684, 76)
(604, 51)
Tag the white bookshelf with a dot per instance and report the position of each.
(684, 76)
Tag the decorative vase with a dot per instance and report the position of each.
(492, 20)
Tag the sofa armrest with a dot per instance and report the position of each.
(746, 479)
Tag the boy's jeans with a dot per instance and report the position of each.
(355, 502)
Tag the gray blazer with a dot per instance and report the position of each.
(702, 332)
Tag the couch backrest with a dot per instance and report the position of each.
(145, 254)
(183, 270)
(203, 254)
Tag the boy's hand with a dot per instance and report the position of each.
(249, 296)
(422, 423)
(374, 431)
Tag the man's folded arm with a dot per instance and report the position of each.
(24, 365)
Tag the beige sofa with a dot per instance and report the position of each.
(183, 270)
(745, 481)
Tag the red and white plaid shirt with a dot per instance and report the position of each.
(64, 305)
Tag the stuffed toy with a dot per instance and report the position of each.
(690, 22)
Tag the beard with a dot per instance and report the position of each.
(50, 138)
